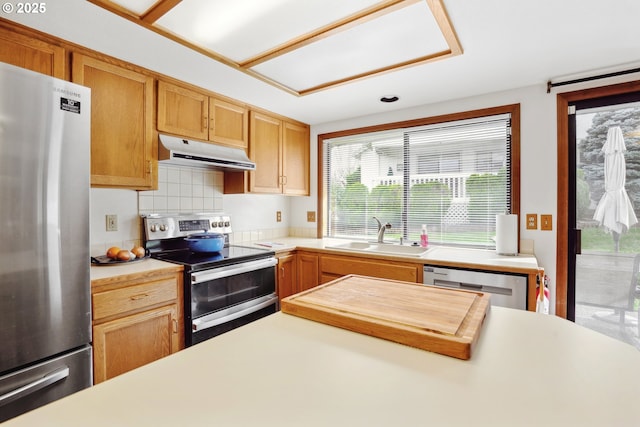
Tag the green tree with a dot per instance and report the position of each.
(354, 177)
(428, 204)
(352, 208)
(486, 194)
(385, 202)
(592, 157)
(582, 197)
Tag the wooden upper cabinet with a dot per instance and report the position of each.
(192, 114)
(32, 54)
(280, 150)
(121, 123)
(264, 150)
(295, 159)
(228, 123)
(182, 111)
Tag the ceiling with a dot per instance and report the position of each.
(325, 60)
(302, 47)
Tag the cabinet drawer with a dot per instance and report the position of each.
(132, 298)
(341, 266)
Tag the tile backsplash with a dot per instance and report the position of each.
(182, 189)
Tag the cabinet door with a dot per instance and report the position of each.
(32, 54)
(295, 159)
(228, 123)
(130, 342)
(287, 284)
(308, 271)
(264, 150)
(182, 111)
(121, 123)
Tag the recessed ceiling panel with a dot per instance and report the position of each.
(302, 46)
(398, 37)
(136, 6)
(241, 29)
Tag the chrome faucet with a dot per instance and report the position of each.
(381, 229)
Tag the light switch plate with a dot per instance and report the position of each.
(311, 216)
(546, 222)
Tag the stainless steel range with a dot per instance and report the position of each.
(222, 290)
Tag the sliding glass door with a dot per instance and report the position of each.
(604, 189)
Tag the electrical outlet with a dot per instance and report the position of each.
(278, 216)
(311, 216)
(532, 221)
(546, 222)
(112, 222)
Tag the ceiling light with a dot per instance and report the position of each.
(389, 98)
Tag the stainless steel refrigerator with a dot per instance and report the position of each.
(45, 312)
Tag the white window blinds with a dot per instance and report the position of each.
(454, 177)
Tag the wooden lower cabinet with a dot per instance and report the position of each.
(136, 320)
(308, 270)
(302, 270)
(334, 266)
(286, 282)
(297, 272)
(130, 342)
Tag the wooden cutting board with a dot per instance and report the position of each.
(444, 321)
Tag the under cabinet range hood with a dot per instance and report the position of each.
(173, 150)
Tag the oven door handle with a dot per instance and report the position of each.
(214, 319)
(232, 270)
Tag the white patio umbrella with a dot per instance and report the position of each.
(614, 210)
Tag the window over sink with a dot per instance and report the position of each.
(453, 173)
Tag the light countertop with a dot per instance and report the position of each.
(527, 369)
(148, 265)
(438, 255)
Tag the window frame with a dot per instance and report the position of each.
(512, 109)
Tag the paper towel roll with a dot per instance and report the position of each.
(507, 234)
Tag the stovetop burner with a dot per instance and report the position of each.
(200, 261)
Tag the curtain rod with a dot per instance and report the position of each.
(587, 79)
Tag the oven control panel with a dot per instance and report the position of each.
(157, 226)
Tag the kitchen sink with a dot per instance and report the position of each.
(382, 248)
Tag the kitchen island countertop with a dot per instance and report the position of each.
(528, 369)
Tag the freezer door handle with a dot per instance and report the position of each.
(34, 386)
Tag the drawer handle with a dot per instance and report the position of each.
(138, 297)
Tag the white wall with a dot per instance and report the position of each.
(538, 155)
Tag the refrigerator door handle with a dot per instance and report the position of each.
(34, 386)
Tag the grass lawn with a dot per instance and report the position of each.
(596, 239)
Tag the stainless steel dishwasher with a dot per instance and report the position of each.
(506, 289)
